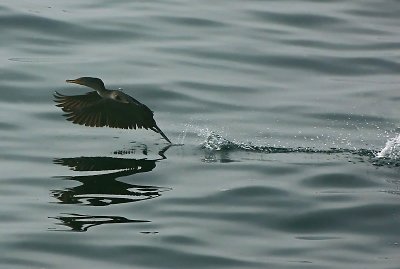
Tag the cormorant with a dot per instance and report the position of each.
(104, 107)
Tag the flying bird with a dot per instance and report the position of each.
(104, 107)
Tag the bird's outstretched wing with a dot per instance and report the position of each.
(75, 102)
(92, 110)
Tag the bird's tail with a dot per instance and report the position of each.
(158, 130)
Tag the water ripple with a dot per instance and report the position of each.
(298, 19)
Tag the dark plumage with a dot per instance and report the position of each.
(104, 107)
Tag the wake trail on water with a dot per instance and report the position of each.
(216, 142)
(389, 156)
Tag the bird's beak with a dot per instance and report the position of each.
(72, 81)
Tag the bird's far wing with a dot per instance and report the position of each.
(127, 116)
(75, 102)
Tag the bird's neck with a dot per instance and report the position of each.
(103, 92)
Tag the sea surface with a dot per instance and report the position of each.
(284, 116)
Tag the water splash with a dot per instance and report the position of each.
(390, 154)
(391, 149)
(216, 142)
(182, 136)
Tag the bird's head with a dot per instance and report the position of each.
(94, 83)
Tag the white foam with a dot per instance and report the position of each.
(391, 149)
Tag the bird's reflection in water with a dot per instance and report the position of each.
(104, 189)
(81, 223)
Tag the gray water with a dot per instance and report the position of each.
(282, 108)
